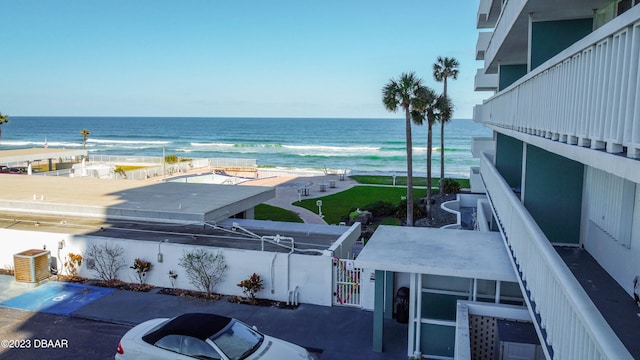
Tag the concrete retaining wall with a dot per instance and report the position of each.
(281, 272)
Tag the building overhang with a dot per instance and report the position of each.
(510, 42)
(445, 252)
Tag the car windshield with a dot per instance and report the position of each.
(237, 340)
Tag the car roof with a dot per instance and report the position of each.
(198, 325)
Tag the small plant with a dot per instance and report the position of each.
(204, 269)
(141, 269)
(8, 270)
(72, 264)
(450, 186)
(172, 277)
(120, 170)
(107, 260)
(251, 286)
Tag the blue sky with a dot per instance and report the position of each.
(272, 58)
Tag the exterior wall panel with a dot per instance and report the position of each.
(553, 194)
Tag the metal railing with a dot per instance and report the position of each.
(588, 95)
(566, 318)
(126, 159)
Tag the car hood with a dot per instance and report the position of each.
(273, 348)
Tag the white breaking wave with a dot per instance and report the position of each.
(132, 142)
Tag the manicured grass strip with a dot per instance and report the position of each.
(274, 213)
(337, 205)
(402, 180)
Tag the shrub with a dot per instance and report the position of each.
(251, 286)
(107, 260)
(72, 264)
(204, 269)
(381, 208)
(401, 210)
(171, 159)
(141, 269)
(451, 186)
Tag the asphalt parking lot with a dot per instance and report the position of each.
(93, 329)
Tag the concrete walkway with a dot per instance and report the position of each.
(287, 192)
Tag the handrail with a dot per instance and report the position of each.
(586, 95)
(567, 319)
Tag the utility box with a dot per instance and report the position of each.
(31, 266)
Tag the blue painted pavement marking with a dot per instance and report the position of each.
(57, 298)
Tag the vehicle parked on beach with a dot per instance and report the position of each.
(203, 336)
(13, 170)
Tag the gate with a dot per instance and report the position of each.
(346, 281)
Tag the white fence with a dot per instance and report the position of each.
(346, 279)
(572, 324)
(588, 95)
(160, 169)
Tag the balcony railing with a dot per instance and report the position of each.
(483, 42)
(485, 82)
(588, 95)
(566, 319)
(509, 13)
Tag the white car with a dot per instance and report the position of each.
(203, 336)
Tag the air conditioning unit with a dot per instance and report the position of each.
(31, 266)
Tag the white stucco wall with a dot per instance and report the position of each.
(280, 272)
(619, 261)
(343, 247)
(368, 287)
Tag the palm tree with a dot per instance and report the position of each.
(85, 133)
(443, 69)
(426, 108)
(4, 119)
(401, 93)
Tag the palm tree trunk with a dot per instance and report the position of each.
(409, 169)
(442, 146)
(441, 158)
(429, 180)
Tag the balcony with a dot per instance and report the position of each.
(485, 82)
(488, 13)
(483, 42)
(566, 319)
(510, 43)
(588, 95)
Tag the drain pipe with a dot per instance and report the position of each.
(290, 297)
(273, 270)
(293, 297)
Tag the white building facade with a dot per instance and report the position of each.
(562, 176)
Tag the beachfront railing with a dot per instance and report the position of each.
(125, 159)
(588, 95)
(166, 169)
(565, 317)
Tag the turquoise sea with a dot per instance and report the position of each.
(365, 145)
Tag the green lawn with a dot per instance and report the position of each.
(337, 205)
(274, 213)
(402, 180)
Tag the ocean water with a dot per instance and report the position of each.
(364, 145)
